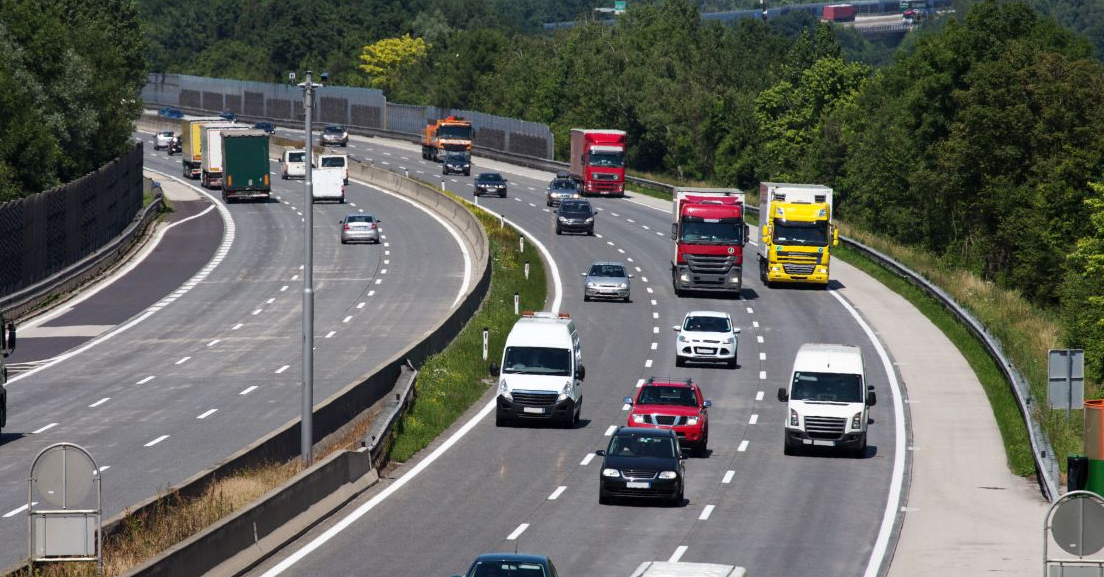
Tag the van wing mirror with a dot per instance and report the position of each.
(494, 370)
(871, 398)
(600, 452)
(783, 396)
(736, 330)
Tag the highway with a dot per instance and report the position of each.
(214, 363)
(480, 488)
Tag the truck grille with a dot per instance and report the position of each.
(714, 264)
(638, 474)
(535, 399)
(605, 176)
(824, 427)
(798, 269)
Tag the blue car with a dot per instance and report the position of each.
(511, 565)
(170, 112)
(266, 126)
(227, 115)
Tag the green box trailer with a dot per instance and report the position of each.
(245, 165)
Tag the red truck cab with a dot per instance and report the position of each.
(598, 161)
(710, 233)
(676, 404)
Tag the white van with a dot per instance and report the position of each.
(332, 161)
(293, 164)
(327, 185)
(828, 399)
(684, 569)
(541, 372)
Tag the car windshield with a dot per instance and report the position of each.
(455, 157)
(826, 387)
(167, 133)
(608, 159)
(455, 132)
(613, 270)
(296, 156)
(562, 185)
(333, 161)
(804, 233)
(712, 231)
(359, 218)
(642, 446)
(491, 177)
(537, 361)
(507, 569)
(707, 324)
(334, 129)
(665, 395)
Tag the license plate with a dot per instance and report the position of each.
(824, 443)
(534, 410)
(638, 485)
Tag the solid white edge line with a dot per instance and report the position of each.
(384, 494)
(227, 241)
(677, 554)
(447, 226)
(893, 499)
(557, 284)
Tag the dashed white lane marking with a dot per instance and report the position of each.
(728, 477)
(270, 301)
(517, 532)
(282, 369)
(46, 428)
(294, 277)
(750, 311)
(99, 402)
(645, 227)
(743, 446)
(599, 236)
(586, 460)
(754, 419)
(655, 330)
(762, 375)
(659, 233)
(532, 205)
(626, 407)
(650, 291)
(610, 430)
(236, 327)
(609, 242)
(755, 324)
(654, 303)
(706, 512)
(637, 268)
(639, 383)
(615, 214)
(644, 278)
(655, 346)
(555, 494)
(157, 440)
(360, 305)
(530, 188)
(383, 271)
(347, 319)
(759, 396)
(648, 364)
(145, 380)
(762, 356)
(629, 259)
(257, 311)
(214, 342)
(385, 261)
(183, 360)
(387, 253)
(370, 293)
(655, 315)
(248, 390)
(677, 554)
(621, 250)
(206, 414)
(18, 511)
(630, 220)
(330, 334)
(379, 281)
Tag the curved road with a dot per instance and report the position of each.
(214, 365)
(536, 488)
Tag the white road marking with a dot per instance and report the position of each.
(555, 494)
(383, 271)
(18, 511)
(347, 319)
(360, 305)
(650, 291)
(157, 440)
(621, 250)
(655, 346)
(385, 261)
(645, 227)
(615, 214)
(294, 277)
(206, 414)
(330, 334)
(659, 233)
(629, 259)
(43, 429)
(183, 360)
(762, 374)
(655, 330)
(587, 459)
(759, 396)
(754, 419)
(678, 554)
(282, 369)
(379, 281)
(750, 311)
(257, 312)
(599, 236)
(630, 220)
(654, 303)
(517, 532)
(639, 383)
(762, 356)
(236, 327)
(214, 342)
(99, 402)
(609, 242)
(248, 390)
(644, 278)
(743, 446)
(648, 364)
(370, 293)
(755, 324)
(610, 430)
(728, 477)
(270, 301)
(637, 268)
(760, 339)
(655, 315)
(145, 380)
(706, 512)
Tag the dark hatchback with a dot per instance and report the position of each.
(511, 565)
(266, 126)
(642, 463)
(490, 183)
(575, 215)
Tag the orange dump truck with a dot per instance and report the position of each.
(446, 134)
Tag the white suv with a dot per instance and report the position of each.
(706, 336)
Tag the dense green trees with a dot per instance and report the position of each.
(70, 76)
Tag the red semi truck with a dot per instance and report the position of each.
(709, 233)
(839, 13)
(598, 161)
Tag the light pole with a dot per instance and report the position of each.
(306, 421)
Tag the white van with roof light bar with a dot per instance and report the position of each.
(541, 372)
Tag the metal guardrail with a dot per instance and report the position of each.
(377, 439)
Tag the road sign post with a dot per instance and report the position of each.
(1074, 524)
(1066, 379)
(64, 514)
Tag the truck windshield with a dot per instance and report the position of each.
(827, 387)
(455, 132)
(608, 159)
(537, 361)
(720, 231)
(804, 233)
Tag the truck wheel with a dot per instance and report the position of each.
(763, 271)
(860, 451)
(787, 448)
(500, 421)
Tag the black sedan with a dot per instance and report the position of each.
(490, 183)
(575, 215)
(512, 565)
(642, 463)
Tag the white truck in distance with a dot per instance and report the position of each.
(828, 399)
(541, 374)
(681, 569)
(211, 148)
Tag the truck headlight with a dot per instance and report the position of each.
(638, 419)
(795, 420)
(565, 391)
(612, 473)
(856, 421)
(692, 421)
(504, 390)
(668, 475)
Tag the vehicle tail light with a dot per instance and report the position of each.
(266, 180)
(371, 225)
(346, 226)
(230, 180)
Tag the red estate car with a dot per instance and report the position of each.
(675, 404)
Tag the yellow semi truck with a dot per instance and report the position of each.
(796, 233)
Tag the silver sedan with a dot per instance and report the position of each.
(360, 227)
(607, 279)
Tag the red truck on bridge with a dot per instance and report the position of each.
(598, 161)
(709, 233)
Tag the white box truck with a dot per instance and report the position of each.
(683, 569)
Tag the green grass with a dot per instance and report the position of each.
(449, 382)
(1012, 429)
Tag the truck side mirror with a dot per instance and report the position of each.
(494, 370)
(835, 236)
(766, 230)
(10, 342)
(783, 396)
(871, 398)
(580, 372)
(674, 230)
(747, 233)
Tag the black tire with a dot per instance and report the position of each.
(499, 421)
(590, 232)
(787, 448)
(559, 230)
(626, 299)
(732, 363)
(763, 272)
(603, 499)
(860, 451)
(467, 173)
(586, 298)
(503, 195)
(679, 361)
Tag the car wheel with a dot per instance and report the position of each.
(787, 448)
(467, 173)
(499, 421)
(590, 232)
(503, 195)
(627, 299)
(679, 361)
(586, 298)
(602, 498)
(860, 451)
(343, 241)
(731, 363)
(677, 500)
(559, 230)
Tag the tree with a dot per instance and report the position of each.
(384, 60)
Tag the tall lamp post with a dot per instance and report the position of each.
(306, 421)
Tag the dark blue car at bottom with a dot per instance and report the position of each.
(511, 565)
